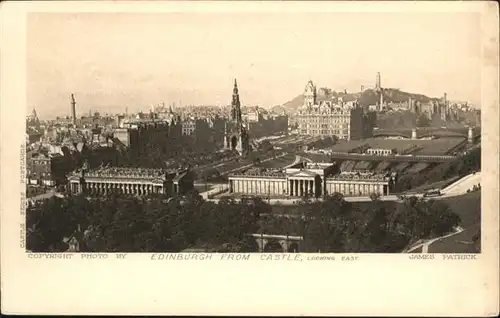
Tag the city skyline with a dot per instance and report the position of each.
(110, 64)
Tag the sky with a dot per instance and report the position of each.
(114, 61)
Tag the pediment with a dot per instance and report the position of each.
(303, 173)
(74, 178)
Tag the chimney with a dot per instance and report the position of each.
(414, 134)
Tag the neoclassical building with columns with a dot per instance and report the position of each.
(308, 179)
(360, 183)
(133, 181)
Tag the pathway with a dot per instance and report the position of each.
(296, 161)
(461, 186)
(426, 243)
(45, 195)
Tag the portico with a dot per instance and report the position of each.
(303, 183)
(308, 179)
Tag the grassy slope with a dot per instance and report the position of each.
(468, 207)
(435, 185)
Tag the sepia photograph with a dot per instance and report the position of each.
(209, 132)
(275, 158)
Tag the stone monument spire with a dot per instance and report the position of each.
(236, 136)
(235, 104)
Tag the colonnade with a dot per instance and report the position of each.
(379, 152)
(357, 188)
(126, 188)
(257, 186)
(301, 187)
(75, 187)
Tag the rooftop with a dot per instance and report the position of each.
(318, 165)
(369, 176)
(363, 165)
(259, 172)
(139, 173)
(328, 107)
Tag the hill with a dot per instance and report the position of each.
(293, 105)
(390, 120)
(365, 98)
(468, 207)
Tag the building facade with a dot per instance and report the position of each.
(269, 125)
(433, 107)
(236, 135)
(133, 181)
(359, 184)
(152, 136)
(380, 152)
(39, 169)
(326, 118)
(48, 169)
(309, 179)
(189, 126)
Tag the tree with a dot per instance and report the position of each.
(442, 218)
(121, 223)
(419, 218)
(326, 224)
(248, 245)
(375, 196)
(47, 224)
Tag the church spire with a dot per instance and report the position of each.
(235, 104)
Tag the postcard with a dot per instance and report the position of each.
(250, 158)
